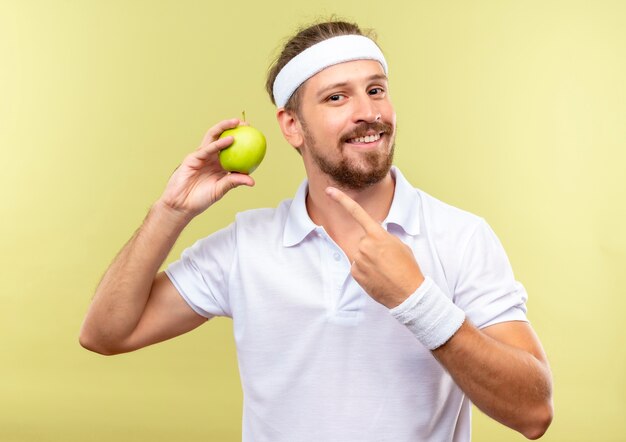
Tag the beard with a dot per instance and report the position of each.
(354, 173)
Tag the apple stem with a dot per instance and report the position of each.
(243, 114)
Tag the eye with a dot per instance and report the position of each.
(335, 97)
(376, 91)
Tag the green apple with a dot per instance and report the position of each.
(246, 152)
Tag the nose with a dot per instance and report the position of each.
(366, 109)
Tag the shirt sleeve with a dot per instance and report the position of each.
(201, 274)
(486, 288)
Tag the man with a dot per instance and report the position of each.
(363, 309)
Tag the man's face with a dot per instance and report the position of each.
(348, 123)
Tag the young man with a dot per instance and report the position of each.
(363, 309)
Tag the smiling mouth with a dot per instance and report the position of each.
(366, 139)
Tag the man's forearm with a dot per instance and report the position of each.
(123, 292)
(510, 384)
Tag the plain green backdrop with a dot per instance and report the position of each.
(514, 110)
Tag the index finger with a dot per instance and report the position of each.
(214, 133)
(354, 209)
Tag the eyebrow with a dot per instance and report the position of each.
(340, 84)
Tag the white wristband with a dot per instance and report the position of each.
(430, 315)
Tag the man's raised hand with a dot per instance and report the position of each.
(383, 265)
(200, 180)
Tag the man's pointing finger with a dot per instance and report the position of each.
(354, 209)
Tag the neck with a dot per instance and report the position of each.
(375, 199)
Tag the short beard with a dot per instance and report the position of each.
(345, 173)
(347, 176)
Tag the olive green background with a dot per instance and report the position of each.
(514, 110)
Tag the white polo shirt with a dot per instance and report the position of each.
(319, 359)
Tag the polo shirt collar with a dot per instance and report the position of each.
(299, 224)
(405, 207)
(404, 211)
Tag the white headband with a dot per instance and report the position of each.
(326, 53)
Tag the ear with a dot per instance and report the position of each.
(290, 127)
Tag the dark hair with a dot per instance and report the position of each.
(307, 37)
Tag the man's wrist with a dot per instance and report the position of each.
(397, 301)
(430, 315)
(169, 217)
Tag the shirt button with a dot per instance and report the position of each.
(336, 256)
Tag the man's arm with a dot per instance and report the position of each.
(502, 369)
(129, 295)
(133, 306)
(505, 373)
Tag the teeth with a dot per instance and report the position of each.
(366, 139)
